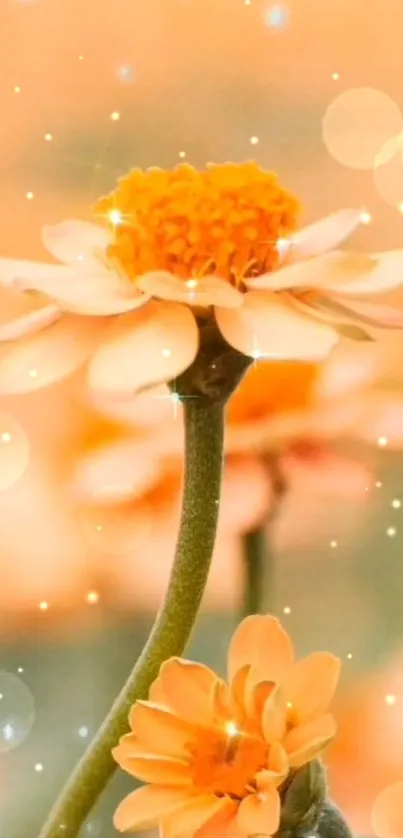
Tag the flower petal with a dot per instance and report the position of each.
(261, 642)
(187, 688)
(259, 814)
(312, 684)
(150, 346)
(107, 474)
(337, 268)
(21, 314)
(74, 242)
(325, 234)
(386, 274)
(193, 815)
(146, 806)
(223, 824)
(86, 293)
(371, 314)
(48, 356)
(150, 768)
(306, 741)
(387, 812)
(159, 729)
(269, 327)
(274, 716)
(207, 291)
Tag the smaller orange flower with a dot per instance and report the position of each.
(215, 754)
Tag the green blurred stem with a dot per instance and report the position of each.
(204, 433)
(258, 554)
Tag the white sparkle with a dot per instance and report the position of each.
(231, 729)
(390, 699)
(365, 217)
(83, 732)
(349, 656)
(6, 437)
(33, 373)
(17, 88)
(382, 441)
(166, 353)
(38, 767)
(391, 532)
(276, 17)
(115, 116)
(92, 596)
(335, 76)
(20, 670)
(287, 610)
(29, 196)
(401, 207)
(396, 503)
(254, 140)
(182, 154)
(378, 484)
(43, 606)
(8, 732)
(81, 58)
(126, 73)
(115, 216)
(333, 543)
(48, 137)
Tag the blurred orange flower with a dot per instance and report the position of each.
(215, 754)
(186, 248)
(387, 812)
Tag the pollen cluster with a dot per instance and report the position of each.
(227, 220)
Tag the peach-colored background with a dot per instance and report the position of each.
(204, 77)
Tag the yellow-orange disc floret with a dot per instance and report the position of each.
(225, 220)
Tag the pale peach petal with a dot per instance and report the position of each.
(306, 741)
(386, 274)
(74, 242)
(261, 642)
(328, 271)
(21, 314)
(325, 234)
(387, 812)
(259, 814)
(325, 471)
(116, 472)
(86, 293)
(48, 356)
(312, 684)
(187, 688)
(244, 477)
(277, 763)
(256, 695)
(159, 729)
(267, 326)
(193, 816)
(150, 346)
(150, 768)
(207, 291)
(373, 315)
(349, 368)
(145, 807)
(274, 717)
(240, 683)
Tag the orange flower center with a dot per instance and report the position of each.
(271, 388)
(225, 763)
(226, 220)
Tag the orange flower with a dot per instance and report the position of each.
(387, 812)
(215, 754)
(184, 248)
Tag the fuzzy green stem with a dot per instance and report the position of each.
(204, 434)
(258, 553)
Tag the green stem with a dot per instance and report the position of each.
(204, 433)
(258, 566)
(258, 554)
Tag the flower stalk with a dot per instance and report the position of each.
(174, 622)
